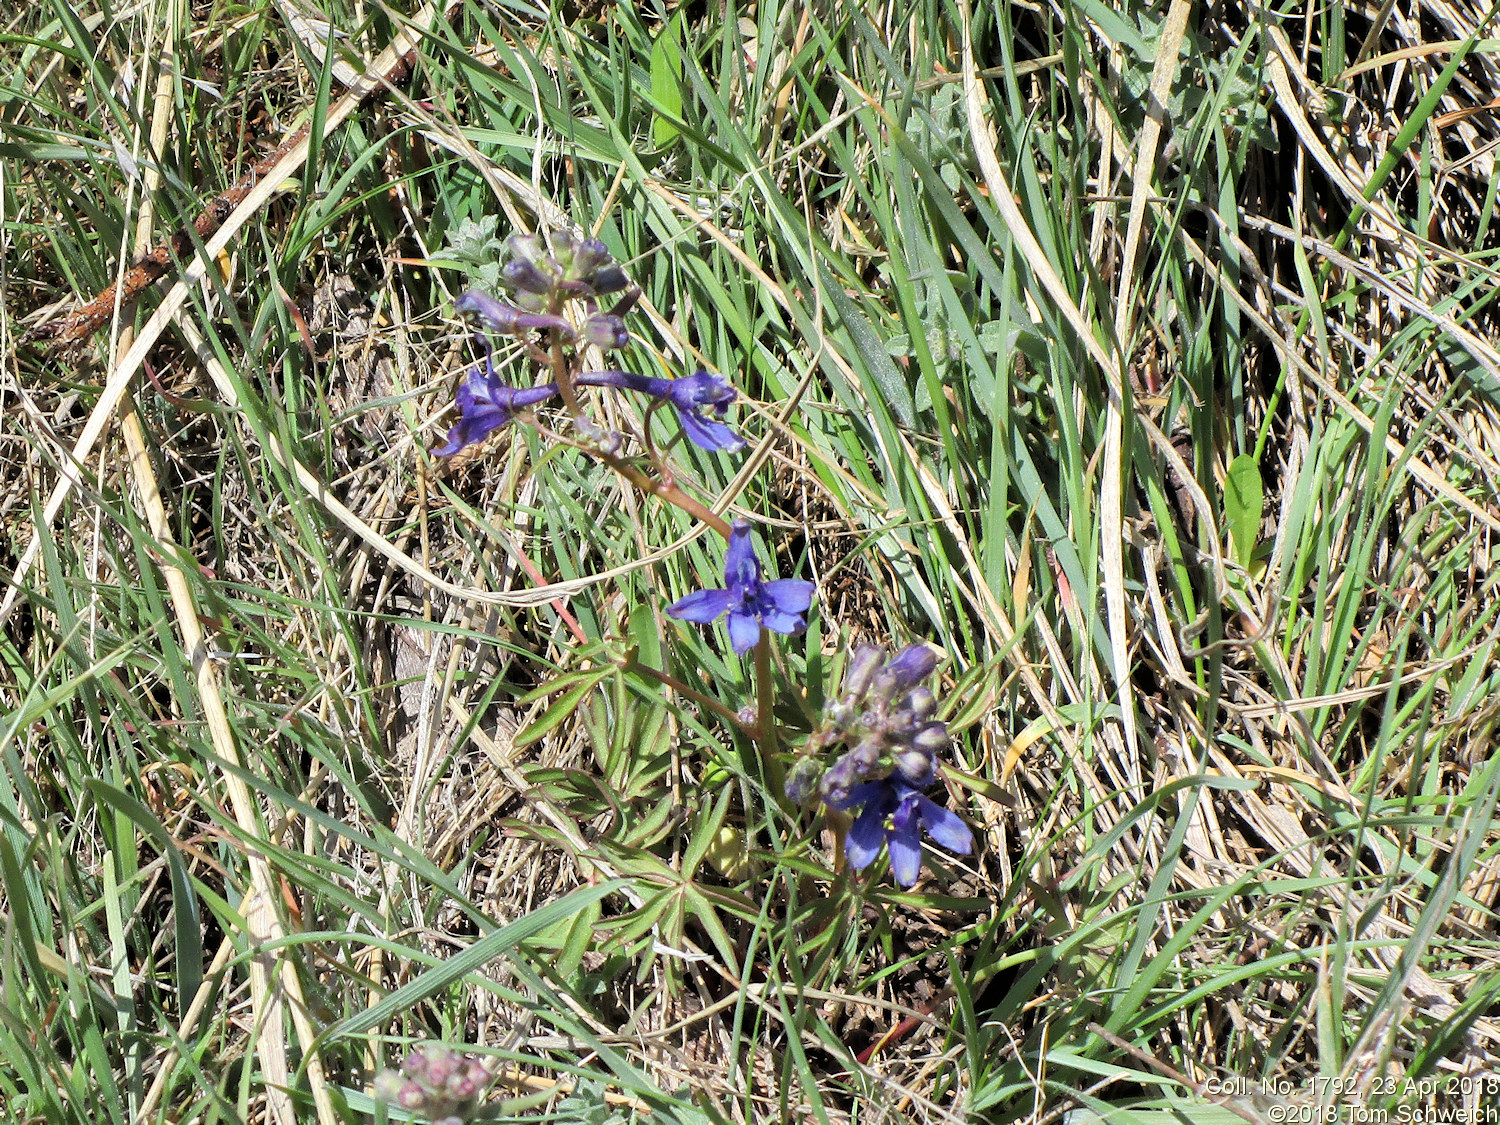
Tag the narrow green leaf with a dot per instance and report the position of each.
(666, 83)
(553, 686)
(562, 707)
(482, 952)
(876, 359)
(706, 834)
(708, 918)
(576, 943)
(185, 924)
(1244, 501)
(23, 930)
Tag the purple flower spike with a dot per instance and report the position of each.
(698, 399)
(779, 606)
(485, 404)
(909, 814)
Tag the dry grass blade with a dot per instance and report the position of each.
(1282, 63)
(1111, 486)
(270, 978)
(119, 381)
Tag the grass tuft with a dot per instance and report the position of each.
(1144, 362)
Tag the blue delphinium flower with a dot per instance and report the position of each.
(699, 399)
(884, 717)
(485, 404)
(892, 813)
(779, 605)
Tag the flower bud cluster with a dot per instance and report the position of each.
(540, 282)
(443, 1084)
(573, 268)
(883, 716)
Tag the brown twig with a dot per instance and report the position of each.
(83, 322)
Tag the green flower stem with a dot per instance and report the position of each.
(765, 718)
(562, 371)
(631, 664)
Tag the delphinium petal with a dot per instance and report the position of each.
(867, 833)
(751, 604)
(945, 826)
(698, 400)
(744, 631)
(904, 838)
(702, 606)
(741, 567)
(485, 404)
(783, 603)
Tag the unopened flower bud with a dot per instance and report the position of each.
(462, 1087)
(914, 766)
(528, 247)
(932, 738)
(897, 726)
(604, 331)
(911, 666)
(609, 279)
(565, 248)
(588, 258)
(841, 777)
(866, 756)
(882, 686)
(863, 664)
(919, 703)
(521, 273)
(802, 779)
